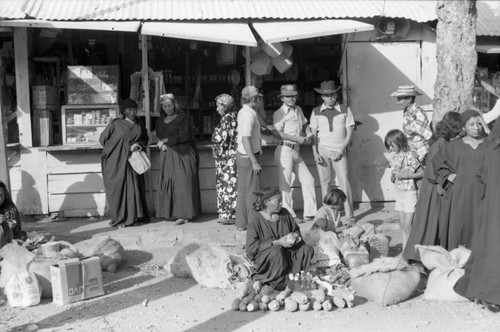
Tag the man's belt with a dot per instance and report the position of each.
(289, 144)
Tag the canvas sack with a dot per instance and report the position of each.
(139, 161)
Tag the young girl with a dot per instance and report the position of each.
(405, 170)
(328, 216)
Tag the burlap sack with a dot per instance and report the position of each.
(447, 268)
(326, 247)
(385, 281)
(110, 251)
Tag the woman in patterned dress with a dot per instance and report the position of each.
(224, 151)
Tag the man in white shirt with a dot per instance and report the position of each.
(290, 124)
(247, 155)
(332, 125)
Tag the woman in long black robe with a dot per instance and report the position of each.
(125, 189)
(179, 184)
(426, 227)
(274, 242)
(481, 279)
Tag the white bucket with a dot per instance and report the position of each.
(273, 50)
(287, 49)
(282, 63)
(260, 64)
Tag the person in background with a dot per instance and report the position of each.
(125, 189)
(224, 152)
(332, 125)
(247, 155)
(416, 125)
(328, 217)
(274, 243)
(290, 125)
(427, 223)
(10, 220)
(179, 186)
(480, 281)
(406, 168)
(456, 167)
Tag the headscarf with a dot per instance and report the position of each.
(168, 96)
(127, 103)
(263, 195)
(225, 99)
(465, 116)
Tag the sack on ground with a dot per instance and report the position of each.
(21, 286)
(209, 265)
(353, 252)
(447, 268)
(139, 161)
(385, 281)
(110, 251)
(326, 247)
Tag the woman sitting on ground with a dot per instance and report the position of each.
(274, 242)
(10, 220)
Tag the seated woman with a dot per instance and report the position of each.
(10, 220)
(274, 242)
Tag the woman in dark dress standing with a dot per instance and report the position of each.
(125, 189)
(456, 167)
(179, 187)
(425, 227)
(224, 152)
(274, 242)
(480, 281)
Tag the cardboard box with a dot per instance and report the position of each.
(76, 279)
(45, 97)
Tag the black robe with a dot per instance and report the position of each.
(125, 189)
(273, 263)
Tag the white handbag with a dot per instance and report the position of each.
(139, 161)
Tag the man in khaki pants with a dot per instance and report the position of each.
(333, 125)
(290, 124)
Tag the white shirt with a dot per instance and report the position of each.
(248, 126)
(289, 120)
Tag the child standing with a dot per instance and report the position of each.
(406, 168)
(328, 216)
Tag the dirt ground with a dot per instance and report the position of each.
(142, 296)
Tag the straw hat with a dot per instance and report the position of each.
(327, 87)
(406, 91)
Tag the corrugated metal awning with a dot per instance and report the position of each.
(272, 32)
(148, 10)
(488, 18)
(131, 26)
(12, 9)
(218, 32)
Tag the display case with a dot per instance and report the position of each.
(92, 85)
(85, 123)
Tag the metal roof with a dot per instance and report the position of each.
(488, 18)
(147, 10)
(11, 9)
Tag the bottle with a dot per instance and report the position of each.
(291, 282)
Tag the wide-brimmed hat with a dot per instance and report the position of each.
(406, 91)
(327, 87)
(289, 90)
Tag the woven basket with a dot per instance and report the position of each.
(379, 246)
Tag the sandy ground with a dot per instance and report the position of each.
(142, 296)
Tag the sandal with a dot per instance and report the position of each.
(180, 221)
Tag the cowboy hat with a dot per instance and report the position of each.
(327, 87)
(406, 91)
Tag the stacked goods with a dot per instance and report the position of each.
(255, 296)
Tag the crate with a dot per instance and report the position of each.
(45, 97)
(42, 128)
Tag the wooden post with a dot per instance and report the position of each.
(23, 86)
(145, 107)
(248, 76)
(4, 162)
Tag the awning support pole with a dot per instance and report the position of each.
(248, 76)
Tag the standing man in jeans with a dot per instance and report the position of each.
(332, 125)
(247, 155)
(290, 124)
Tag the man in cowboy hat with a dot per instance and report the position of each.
(247, 155)
(333, 124)
(416, 126)
(290, 124)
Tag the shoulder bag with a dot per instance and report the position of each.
(139, 161)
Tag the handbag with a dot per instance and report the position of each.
(139, 161)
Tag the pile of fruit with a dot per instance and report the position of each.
(254, 296)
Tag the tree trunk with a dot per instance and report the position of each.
(456, 56)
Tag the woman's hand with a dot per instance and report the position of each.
(135, 147)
